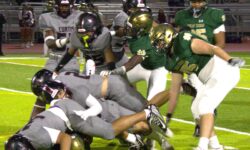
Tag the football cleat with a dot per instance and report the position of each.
(165, 145)
(155, 119)
(139, 145)
(169, 133)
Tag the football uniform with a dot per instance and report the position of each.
(118, 90)
(151, 68)
(43, 130)
(95, 50)
(216, 75)
(63, 29)
(118, 43)
(204, 25)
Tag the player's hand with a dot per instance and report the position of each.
(83, 114)
(54, 75)
(105, 73)
(236, 62)
(119, 71)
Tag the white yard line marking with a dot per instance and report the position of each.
(218, 128)
(15, 91)
(13, 63)
(7, 58)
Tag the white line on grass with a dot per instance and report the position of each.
(21, 64)
(15, 91)
(218, 128)
(7, 58)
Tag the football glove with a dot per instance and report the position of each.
(236, 62)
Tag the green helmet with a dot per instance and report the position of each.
(139, 23)
(162, 36)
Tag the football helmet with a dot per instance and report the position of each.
(50, 5)
(88, 28)
(132, 4)
(77, 142)
(139, 23)
(18, 142)
(162, 36)
(197, 7)
(38, 80)
(64, 7)
(50, 90)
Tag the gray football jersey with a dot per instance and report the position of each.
(37, 127)
(119, 90)
(63, 27)
(93, 126)
(119, 42)
(96, 50)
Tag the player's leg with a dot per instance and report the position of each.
(157, 82)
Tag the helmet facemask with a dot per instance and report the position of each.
(63, 8)
(89, 27)
(197, 7)
(161, 38)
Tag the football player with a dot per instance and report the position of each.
(206, 22)
(48, 128)
(118, 28)
(57, 27)
(93, 39)
(145, 64)
(217, 70)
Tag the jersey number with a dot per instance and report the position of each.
(186, 67)
(200, 32)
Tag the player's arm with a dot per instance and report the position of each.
(64, 140)
(109, 57)
(174, 93)
(51, 41)
(219, 36)
(65, 59)
(201, 47)
(38, 107)
(94, 109)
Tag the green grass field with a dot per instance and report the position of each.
(233, 121)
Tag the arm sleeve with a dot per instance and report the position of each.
(94, 106)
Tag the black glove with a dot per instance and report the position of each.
(236, 62)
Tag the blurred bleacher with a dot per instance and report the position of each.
(237, 15)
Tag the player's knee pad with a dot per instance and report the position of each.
(205, 108)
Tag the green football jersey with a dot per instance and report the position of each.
(142, 46)
(182, 59)
(203, 26)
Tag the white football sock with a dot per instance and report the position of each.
(203, 143)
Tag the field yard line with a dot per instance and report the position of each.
(15, 91)
(7, 58)
(242, 88)
(218, 128)
(21, 64)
